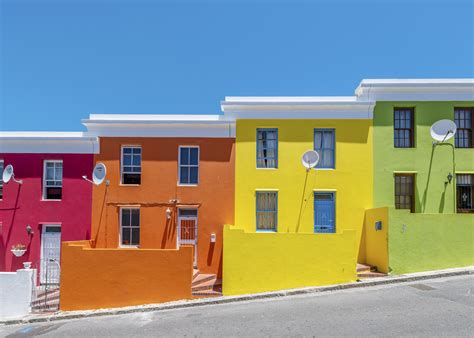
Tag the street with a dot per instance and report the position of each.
(437, 307)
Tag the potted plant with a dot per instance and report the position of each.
(18, 250)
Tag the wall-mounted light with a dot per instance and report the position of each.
(29, 230)
(168, 213)
(450, 178)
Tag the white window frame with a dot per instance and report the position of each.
(136, 207)
(188, 165)
(122, 164)
(55, 186)
(1, 181)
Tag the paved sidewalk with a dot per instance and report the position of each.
(232, 299)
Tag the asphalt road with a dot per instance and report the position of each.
(439, 307)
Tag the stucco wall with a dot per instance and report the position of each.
(104, 278)
(15, 292)
(23, 205)
(431, 165)
(376, 241)
(351, 180)
(422, 242)
(260, 262)
(214, 195)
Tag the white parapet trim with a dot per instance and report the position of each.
(16, 292)
(48, 143)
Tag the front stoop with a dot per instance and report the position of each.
(206, 285)
(368, 271)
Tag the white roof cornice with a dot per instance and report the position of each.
(297, 107)
(416, 90)
(48, 142)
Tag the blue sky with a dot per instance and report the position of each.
(62, 60)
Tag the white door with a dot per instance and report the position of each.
(187, 230)
(50, 253)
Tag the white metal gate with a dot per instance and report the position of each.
(187, 230)
(50, 254)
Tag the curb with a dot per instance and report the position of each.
(233, 299)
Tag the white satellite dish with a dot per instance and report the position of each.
(98, 174)
(310, 159)
(443, 130)
(8, 174)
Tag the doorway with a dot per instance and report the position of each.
(188, 230)
(50, 253)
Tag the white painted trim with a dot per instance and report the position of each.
(179, 165)
(43, 231)
(120, 225)
(178, 237)
(121, 164)
(43, 197)
(48, 143)
(416, 90)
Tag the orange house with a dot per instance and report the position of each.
(171, 184)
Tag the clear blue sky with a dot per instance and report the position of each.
(61, 60)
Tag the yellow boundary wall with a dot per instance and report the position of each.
(260, 262)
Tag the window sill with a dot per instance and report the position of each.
(129, 246)
(267, 231)
(266, 168)
(50, 200)
(129, 185)
(324, 169)
(187, 185)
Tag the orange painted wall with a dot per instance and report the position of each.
(214, 196)
(105, 278)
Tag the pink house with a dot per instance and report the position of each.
(51, 204)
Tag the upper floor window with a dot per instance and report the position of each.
(404, 192)
(131, 164)
(403, 127)
(267, 214)
(267, 148)
(465, 192)
(464, 136)
(129, 226)
(53, 180)
(1, 181)
(325, 145)
(188, 165)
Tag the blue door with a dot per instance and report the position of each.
(324, 212)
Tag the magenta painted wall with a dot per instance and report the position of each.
(22, 205)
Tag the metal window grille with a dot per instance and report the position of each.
(404, 192)
(131, 165)
(130, 226)
(53, 179)
(465, 193)
(463, 120)
(188, 165)
(267, 210)
(324, 145)
(403, 127)
(267, 148)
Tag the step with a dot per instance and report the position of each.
(371, 275)
(208, 285)
(195, 273)
(203, 278)
(209, 293)
(364, 268)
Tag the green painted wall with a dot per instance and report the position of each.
(423, 242)
(432, 167)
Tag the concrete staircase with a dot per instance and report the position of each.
(206, 285)
(368, 271)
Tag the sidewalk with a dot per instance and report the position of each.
(231, 299)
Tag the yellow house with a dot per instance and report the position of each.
(296, 227)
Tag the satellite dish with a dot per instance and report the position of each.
(310, 159)
(98, 175)
(443, 130)
(7, 173)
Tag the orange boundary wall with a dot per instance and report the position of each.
(105, 278)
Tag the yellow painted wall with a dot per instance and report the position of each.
(260, 262)
(376, 241)
(351, 179)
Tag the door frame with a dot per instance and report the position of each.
(178, 235)
(333, 193)
(43, 231)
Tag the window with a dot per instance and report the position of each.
(1, 181)
(404, 192)
(403, 124)
(267, 148)
(267, 203)
(53, 180)
(465, 193)
(463, 119)
(188, 165)
(131, 165)
(324, 144)
(129, 226)
(324, 212)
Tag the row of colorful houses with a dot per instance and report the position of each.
(196, 205)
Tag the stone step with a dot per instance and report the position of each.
(371, 275)
(365, 268)
(195, 273)
(208, 293)
(202, 278)
(207, 285)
